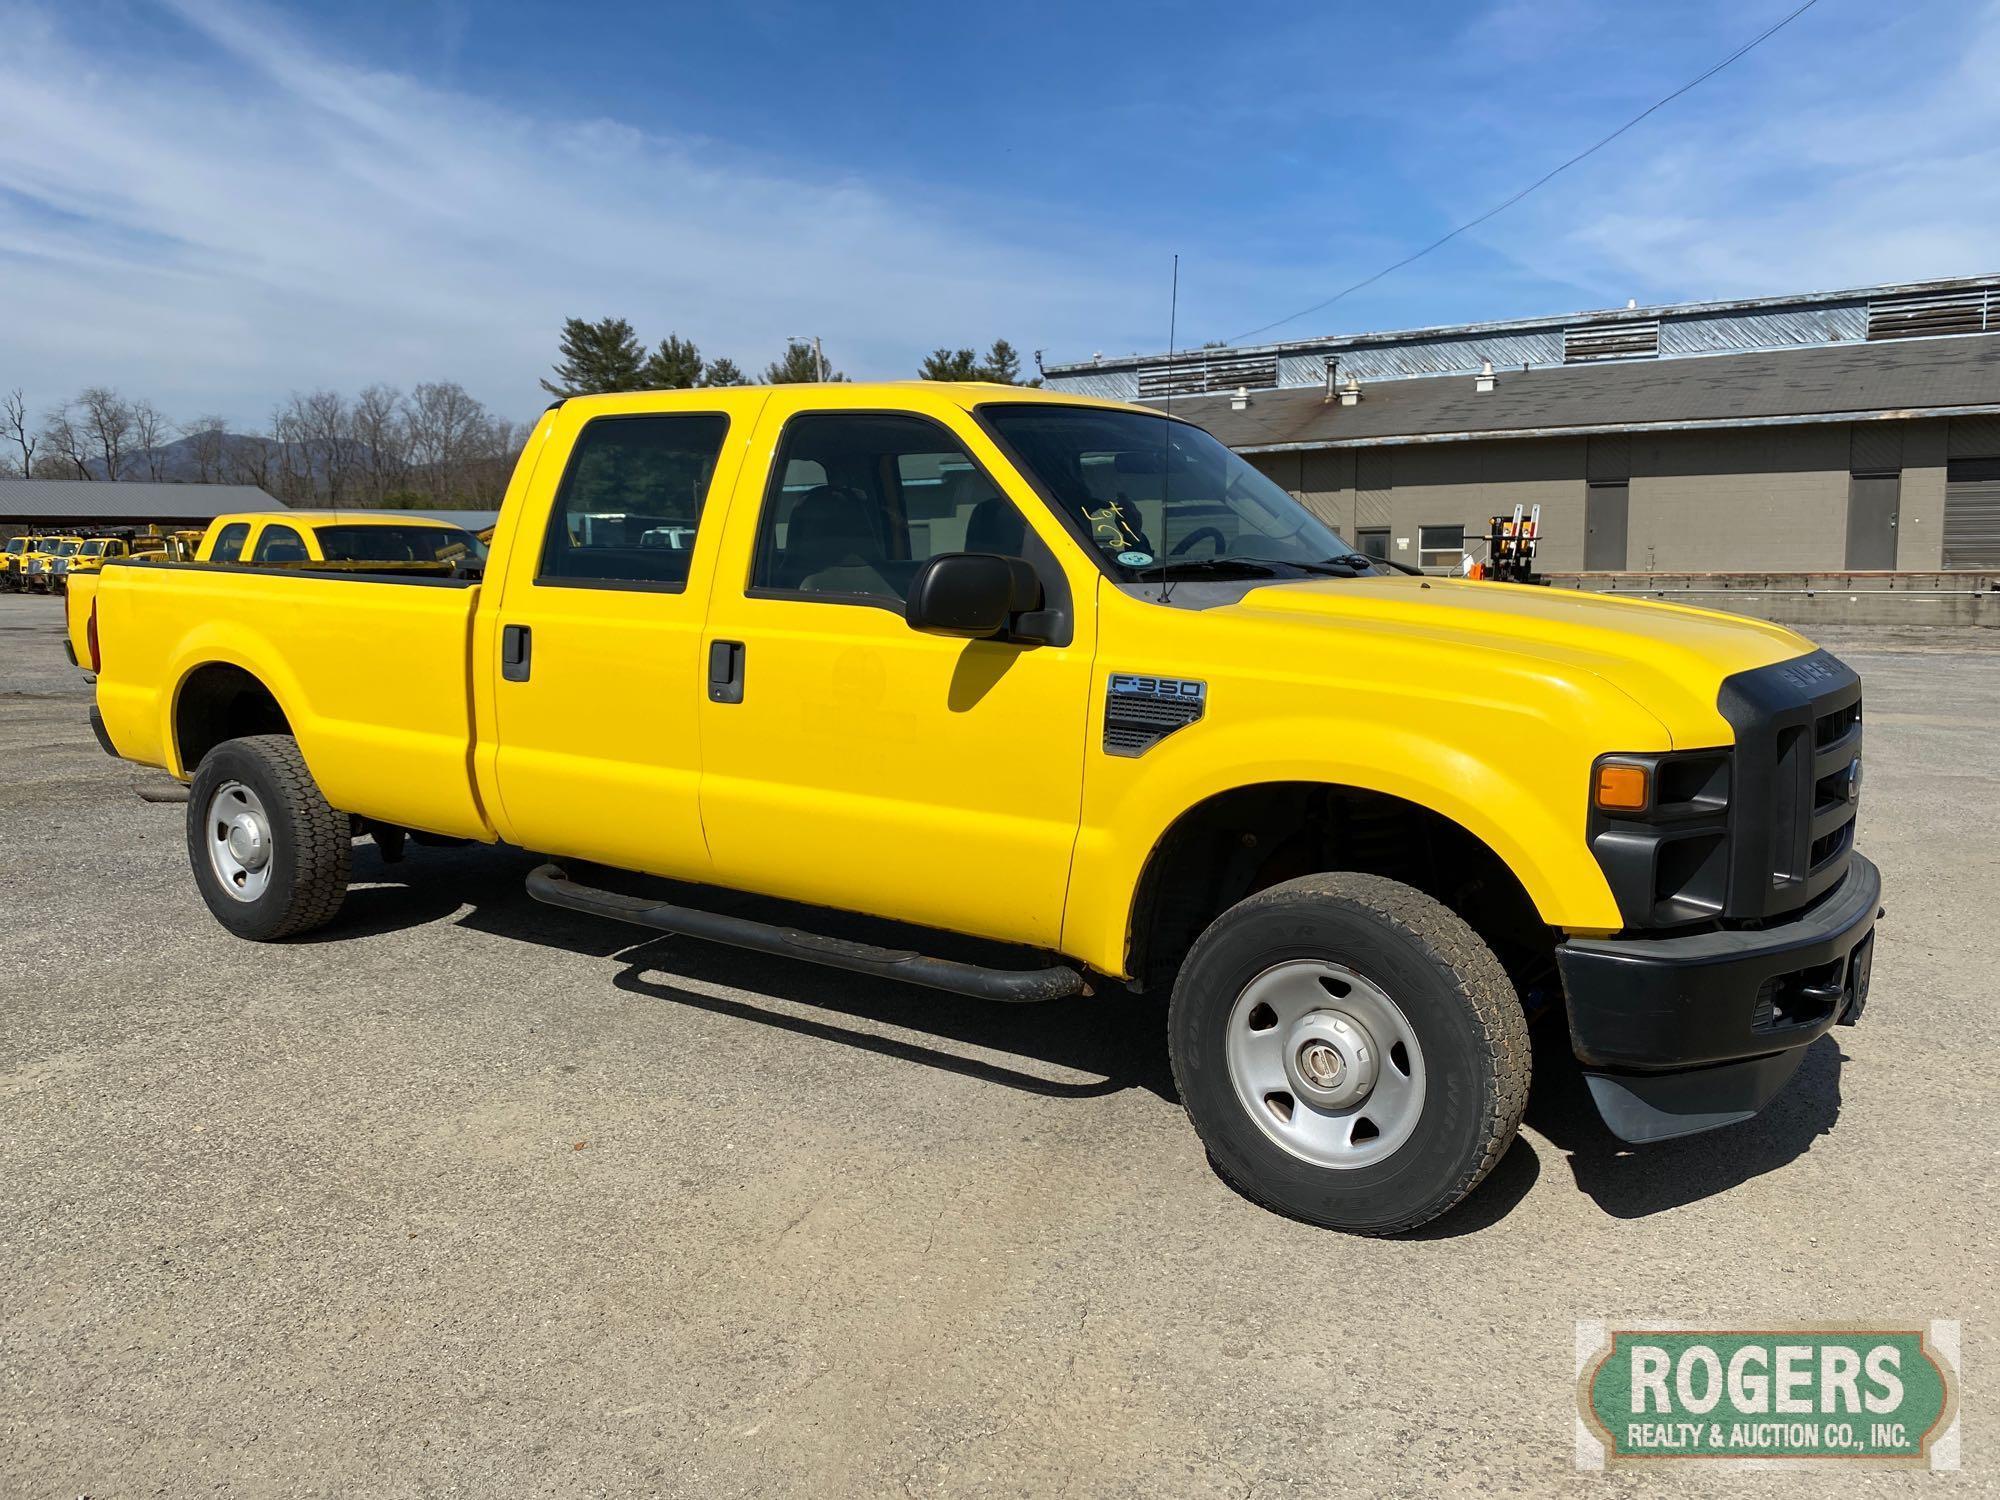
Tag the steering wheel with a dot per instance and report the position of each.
(1221, 541)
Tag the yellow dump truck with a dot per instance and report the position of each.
(1068, 678)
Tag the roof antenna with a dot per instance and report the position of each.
(1166, 433)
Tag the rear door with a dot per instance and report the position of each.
(849, 760)
(598, 673)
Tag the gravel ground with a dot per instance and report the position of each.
(466, 1195)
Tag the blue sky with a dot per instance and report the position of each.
(215, 202)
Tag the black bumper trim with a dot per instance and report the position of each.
(1655, 1004)
(1643, 1107)
(104, 739)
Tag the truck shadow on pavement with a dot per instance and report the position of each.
(1106, 1043)
(1631, 1182)
(1112, 1041)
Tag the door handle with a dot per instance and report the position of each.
(517, 650)
(725, 671)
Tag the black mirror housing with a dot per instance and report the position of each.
(973, 595)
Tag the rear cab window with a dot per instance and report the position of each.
(229, 542)
(631, 500)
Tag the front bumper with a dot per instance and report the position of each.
(1681, 1034)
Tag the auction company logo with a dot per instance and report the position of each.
(1814, 1395)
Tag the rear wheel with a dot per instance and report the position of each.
(1349, 1051)
(271, 858)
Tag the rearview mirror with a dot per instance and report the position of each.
(970, 594)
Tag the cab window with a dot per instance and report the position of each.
(860, 499)
(229, 542)
(630, 502)
(279, 544)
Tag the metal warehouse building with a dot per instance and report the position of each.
(62, 505)
(1853, 430)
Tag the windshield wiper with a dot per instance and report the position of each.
(1215, 567)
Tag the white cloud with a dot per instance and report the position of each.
(215, 235)
(1860, 145)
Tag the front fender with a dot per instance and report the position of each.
(1527, 806)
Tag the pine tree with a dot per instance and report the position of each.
(1002, 365)
(723, 372)
(949, 364)
(796, 368)
(675, 366)
(601, 356)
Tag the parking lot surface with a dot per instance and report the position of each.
(465, 1195)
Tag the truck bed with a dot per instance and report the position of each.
(371, 672)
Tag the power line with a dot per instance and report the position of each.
(1546, 177)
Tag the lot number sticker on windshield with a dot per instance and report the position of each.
(1135, 559)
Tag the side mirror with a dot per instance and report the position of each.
(971, 594)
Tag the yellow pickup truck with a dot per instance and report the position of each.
(1071, 678)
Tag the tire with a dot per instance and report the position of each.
(1385, 1006)
(287, 880)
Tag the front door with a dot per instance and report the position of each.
(598, 690)
(1873, 501)
(851, 761)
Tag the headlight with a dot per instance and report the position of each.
(1659, 828)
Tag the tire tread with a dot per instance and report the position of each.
(1467, 965)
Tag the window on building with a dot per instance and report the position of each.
(1374, 542)
(1440, 548)
(865, 498)
(631, 500)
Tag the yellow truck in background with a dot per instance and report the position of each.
(1069, 678)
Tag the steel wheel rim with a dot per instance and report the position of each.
(237, 831)
(1326, 1064)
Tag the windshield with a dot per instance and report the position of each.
(17, 544)
(393, 544)
(64, 549)
(94, 549)
(1155, 496)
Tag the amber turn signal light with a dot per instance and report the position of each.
(1622, 788)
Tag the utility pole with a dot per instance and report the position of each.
(819, 359)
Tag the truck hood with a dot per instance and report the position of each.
(1669, 658)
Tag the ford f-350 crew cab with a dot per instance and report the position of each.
(1070, 676)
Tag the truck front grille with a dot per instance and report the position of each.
(1797, 782)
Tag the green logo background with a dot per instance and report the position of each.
(1725, 1430)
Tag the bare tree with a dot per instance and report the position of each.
(207, 444)
(248, 460)
(16, 419)
(381, 441)
(149, 433)
(291, 462)
(447, 429)
(106, 420)
(68, 444)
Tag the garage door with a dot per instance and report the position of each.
(1972, 513)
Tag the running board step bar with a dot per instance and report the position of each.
(550, 885)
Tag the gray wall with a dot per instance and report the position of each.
(1754, 498)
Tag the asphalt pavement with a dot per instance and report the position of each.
(465, 1195)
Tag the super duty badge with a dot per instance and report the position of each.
(1139, 711)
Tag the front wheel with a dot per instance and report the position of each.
(1349, 1051)
(271, 858)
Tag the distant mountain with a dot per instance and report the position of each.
(178, 463)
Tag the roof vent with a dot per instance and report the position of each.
(1928, 316)
(1483, 381)
(1350, 392)
(1240, 400)
(1208, 370)
(1593, 342)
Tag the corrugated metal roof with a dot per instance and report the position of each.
(1841, 383)
(100, 500)
(1800, 318)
